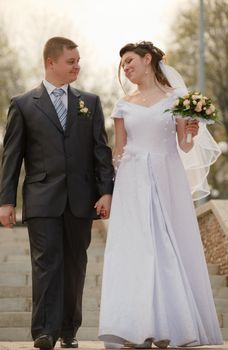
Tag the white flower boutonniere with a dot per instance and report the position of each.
(83, 111)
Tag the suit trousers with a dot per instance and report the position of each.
(59, 258)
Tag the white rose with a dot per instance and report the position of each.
(212, 107)
(208, 111)
(176, 103)
(186, 102)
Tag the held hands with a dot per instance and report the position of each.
(7, 216)
(103, 206)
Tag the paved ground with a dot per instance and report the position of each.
(88, 345)
(93, 345)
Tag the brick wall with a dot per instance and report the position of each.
(214, 235)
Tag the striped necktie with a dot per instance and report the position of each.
(60, 107)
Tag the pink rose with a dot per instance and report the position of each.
(198, 107)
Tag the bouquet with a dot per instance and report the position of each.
(194, 105)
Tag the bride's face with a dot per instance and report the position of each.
(134, 66)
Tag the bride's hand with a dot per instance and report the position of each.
(103, 206)
(192, 127)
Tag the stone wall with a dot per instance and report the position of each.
(213, 223)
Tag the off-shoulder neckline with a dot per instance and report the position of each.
(168, 95)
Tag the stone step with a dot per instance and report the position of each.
(22, 250)
(92, 281)
(18, 231)
(224, 333)
(19, 234)
(23, 334)
(23, 319)
(221, 292)
(220, 319)
(26, 292)
(20, 279)
(15, 291)
(24, 267)
(218, 281)
(213, 269)
(15, 279)
(15, 334)
(221, 305)
(15, 258)
(14, 250)
(25, 304)
(97, 251)
(90, 303)
(84, 333)
(225, 320)
(15, 304)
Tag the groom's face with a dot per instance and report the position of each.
(66, 67)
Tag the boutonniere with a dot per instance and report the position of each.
(83, 111)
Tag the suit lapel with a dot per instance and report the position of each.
(44, 103)
(72, 112)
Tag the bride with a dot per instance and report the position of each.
(156, 288)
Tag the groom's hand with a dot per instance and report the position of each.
(103, 206)
(8, 215)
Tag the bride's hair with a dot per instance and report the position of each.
(141, 49)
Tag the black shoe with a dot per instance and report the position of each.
(44, 342)
(68, 343)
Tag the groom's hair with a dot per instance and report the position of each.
(55, 46)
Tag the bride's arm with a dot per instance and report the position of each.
(120, 141)
(183, 128)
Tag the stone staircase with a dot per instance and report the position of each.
(15, 287)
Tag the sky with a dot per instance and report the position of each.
(100, 27)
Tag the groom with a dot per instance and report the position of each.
(59, 133)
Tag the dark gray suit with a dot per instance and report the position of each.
(66, 172)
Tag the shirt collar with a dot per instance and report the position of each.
(50, 87)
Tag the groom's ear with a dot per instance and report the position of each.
(49, 63)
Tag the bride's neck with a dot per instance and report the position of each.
(148, 84)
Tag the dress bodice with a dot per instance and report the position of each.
(148, 128)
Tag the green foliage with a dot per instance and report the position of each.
(184, 56)
(11, 81)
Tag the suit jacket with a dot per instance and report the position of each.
(73, 165)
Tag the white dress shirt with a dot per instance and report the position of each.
(50, 88)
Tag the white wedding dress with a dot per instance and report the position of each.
(155, 278)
